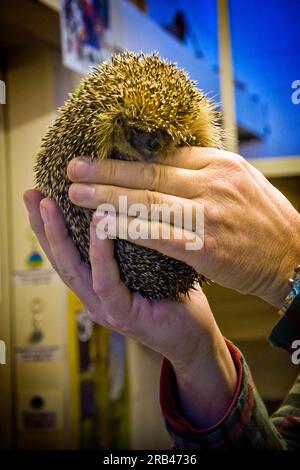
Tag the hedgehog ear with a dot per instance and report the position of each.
(121, 121)
(105, 135)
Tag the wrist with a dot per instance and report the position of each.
(280, 287)
(200, 352)
(211, 376)
(208, 348)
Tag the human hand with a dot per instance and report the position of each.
(185, 333)
(251, 240)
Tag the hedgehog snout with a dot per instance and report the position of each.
(150, 144)
(141, 140)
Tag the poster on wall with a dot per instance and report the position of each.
(84, 33)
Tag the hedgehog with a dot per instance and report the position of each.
(134, 107)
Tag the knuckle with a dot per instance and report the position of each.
(108, 195)
(213, 214)
(100, 289)
(151, 197)
(221, 186)
(162, 177)
(235, 161)
(229, 159)
(110, 170)
(240, 163)
(240, 159)
(225, 188)
(152, 171)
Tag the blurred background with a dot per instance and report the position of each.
(66, 383)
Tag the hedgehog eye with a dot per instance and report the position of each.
(144, 140)
(153, 144)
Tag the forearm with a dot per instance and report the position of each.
(206, 386)
(244, 425)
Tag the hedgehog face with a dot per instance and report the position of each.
(150, 144)
(134, 143)
(132, 107)
(145, 108)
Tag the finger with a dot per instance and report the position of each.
(114, 295)
(135, 175)
(153, 206)
(32, 199)
(138, 175)
(173, 241)
(195, 158)
(66, 258)
(127, 201)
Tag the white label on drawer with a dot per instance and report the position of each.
(40, 354)
(35, 277)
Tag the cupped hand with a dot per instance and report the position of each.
(160, 325)
(251, 231)
(185, 332)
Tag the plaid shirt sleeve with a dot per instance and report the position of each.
(246, 424)
(287, 418)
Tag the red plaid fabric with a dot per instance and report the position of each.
(246, 424)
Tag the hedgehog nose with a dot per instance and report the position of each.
(144, 140)
(153, 144)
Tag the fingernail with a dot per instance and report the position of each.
(45, 215)
(83, 192)
(81, 167)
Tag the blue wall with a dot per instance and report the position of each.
(266, 53)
